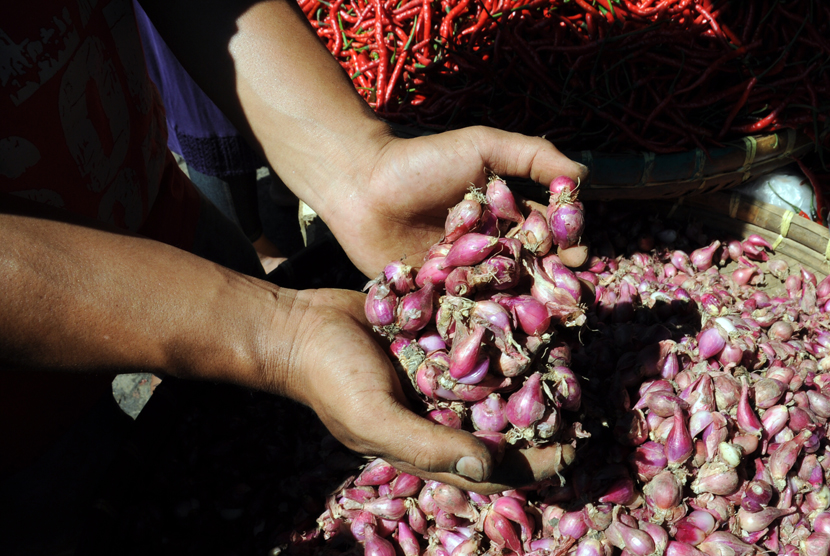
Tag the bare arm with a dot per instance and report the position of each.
(78, 296)
(264, 66)
(382, 196)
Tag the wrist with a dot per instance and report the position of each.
(338, 185)
(299, 352)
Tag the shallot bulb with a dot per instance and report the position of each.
(501, 202)
(374, 544)
(567, 223)
(489, 414)
(679, 445)
(462, 219)
(465, 353)
(535, 234)
(470, 249)
(380, 304)
(664, 491)
(563, 190)
(415, 309)
(526, 406)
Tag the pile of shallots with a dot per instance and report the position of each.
(688, 373)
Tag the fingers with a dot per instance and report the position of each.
(519, 468)
(427, 449)
(432, 451)
(513, 154)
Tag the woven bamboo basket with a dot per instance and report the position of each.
(697, 184)
(796, 239)
(650, 176)
(668, 176)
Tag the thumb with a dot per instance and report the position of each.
(517, 155)
(422, 447)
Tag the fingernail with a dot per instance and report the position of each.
(470, 467)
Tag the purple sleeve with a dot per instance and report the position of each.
(198, 130)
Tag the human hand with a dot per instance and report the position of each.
(339, 370)
(413, 183)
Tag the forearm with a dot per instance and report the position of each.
(79, 297)
(265, 67)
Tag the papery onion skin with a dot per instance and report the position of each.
(470, 249)
(567, 223)
(715, 393)
(489, 414)
(526, 406)
(500, 200)
(415, 309)
(462, 219)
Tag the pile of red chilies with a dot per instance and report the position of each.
(608, 75)
(688, 374)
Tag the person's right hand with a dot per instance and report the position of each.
(399, 208)
(335, 366)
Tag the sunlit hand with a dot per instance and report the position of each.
(414, 182)
(338, 369)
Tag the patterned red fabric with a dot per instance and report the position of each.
(82, 126)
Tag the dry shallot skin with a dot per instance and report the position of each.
(400, 276)
(567, 223)
(462, 219)
(526, 406)
(415, 309)
(535, 234)
(380, 304)
(500, 200)
(377, 472)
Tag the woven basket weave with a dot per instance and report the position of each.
(667, 176)
(650, 176)
(795, 238)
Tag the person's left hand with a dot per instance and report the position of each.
(414, 182)
(324, 354)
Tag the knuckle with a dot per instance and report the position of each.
(425, 459)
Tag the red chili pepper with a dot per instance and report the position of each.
(408, 6)
(719, 62)
(383, 56)
(814, 183)
(446, 23)
(338, 35)
(764, 122)
(656, 112)
(427, 19)
(737, 107)
(311, 7)
(409, 14)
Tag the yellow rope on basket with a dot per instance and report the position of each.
(751, 151)
(648, 166)
(734, 203)
(675, 206)
(700, 162)
(785, 228)
(827, 251)
(791, 134)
